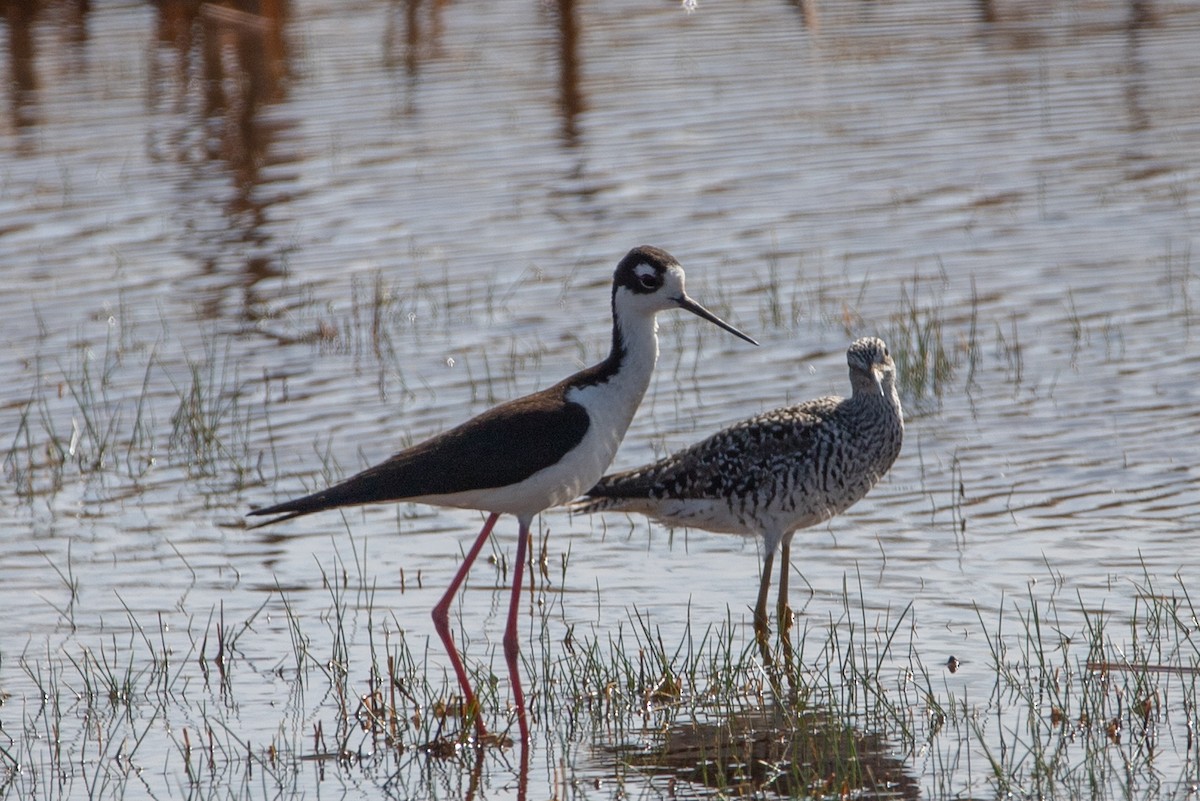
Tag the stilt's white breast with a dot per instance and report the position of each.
(610, 404)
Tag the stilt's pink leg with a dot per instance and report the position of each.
(441, 622)
(512, 650)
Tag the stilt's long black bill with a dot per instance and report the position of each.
(695, 308)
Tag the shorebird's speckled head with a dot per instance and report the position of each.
(871, 366)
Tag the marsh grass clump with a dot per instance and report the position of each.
(210, 426)
(1087, 702)
(789, 298)
(99, 416)
(80, 418)
(381, 310)
(699, 710)
(1010, 351)
(916, 335)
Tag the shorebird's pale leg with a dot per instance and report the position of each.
(762, 629)
(783, 611)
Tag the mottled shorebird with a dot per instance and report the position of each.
(775, 473)
(532, 453)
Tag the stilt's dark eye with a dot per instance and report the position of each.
(648, 280)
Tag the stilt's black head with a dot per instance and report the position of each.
(649, 280)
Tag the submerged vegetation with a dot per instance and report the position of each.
(1084, 701)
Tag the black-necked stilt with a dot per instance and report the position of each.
(775, 473)
(532, 453)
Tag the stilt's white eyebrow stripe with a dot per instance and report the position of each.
(644, 270)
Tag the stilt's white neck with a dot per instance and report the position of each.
(610, 393)
(635, 351)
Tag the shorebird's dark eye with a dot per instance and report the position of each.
(648, 280)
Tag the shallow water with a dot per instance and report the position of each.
(246, 256)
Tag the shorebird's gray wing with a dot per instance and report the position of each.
(729, 463)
